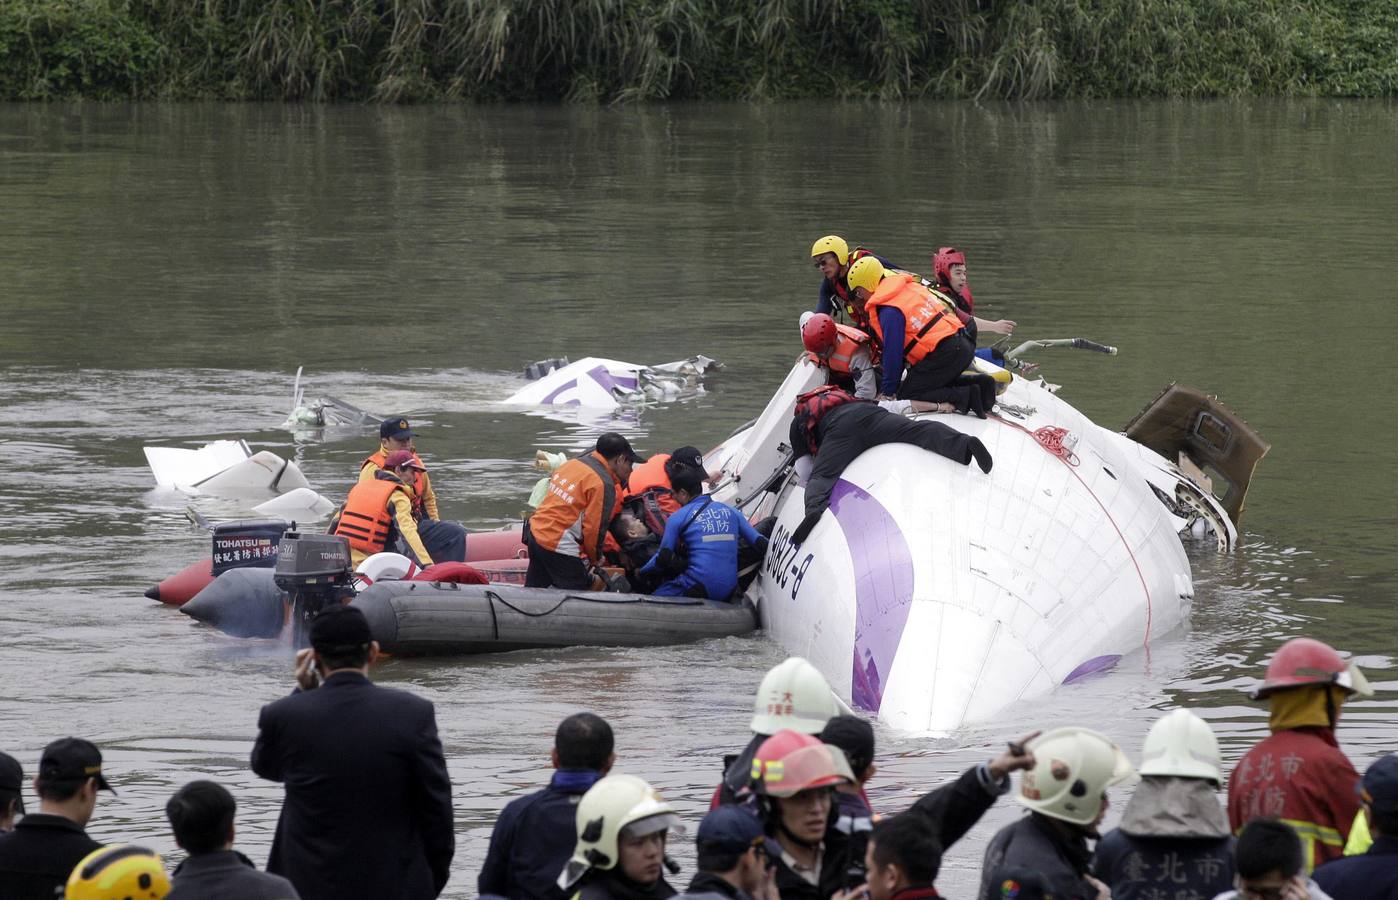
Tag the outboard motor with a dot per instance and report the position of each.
(248, 544)
(314, 570)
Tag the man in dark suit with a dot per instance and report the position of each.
(368, 801)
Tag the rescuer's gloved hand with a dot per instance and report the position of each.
(803, 530)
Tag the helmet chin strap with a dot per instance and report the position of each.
(809, 845)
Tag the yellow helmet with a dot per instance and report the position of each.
(119, 872)
(865, 273)
(831, 243)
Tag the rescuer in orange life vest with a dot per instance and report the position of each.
(834, 426)
(846, 353)
(380, 509)
(917, 329)
(1299, 774)
(569, 529)
(833, 258)
(446, 541)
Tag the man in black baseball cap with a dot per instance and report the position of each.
(37, 857)
(444, 541)
(11, 792)
(1375, 872)
(734, 857)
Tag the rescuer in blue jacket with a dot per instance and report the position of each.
(699, 552)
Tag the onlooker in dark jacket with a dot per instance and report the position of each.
(348, 750)
(1271, 863)
(734, 863)
(1066, 793)
(38, 856)
(1372, 875)
(534, 835)
(201, 817)
(902, 859)
(11, 792)
(1174, 836)
(853, 816)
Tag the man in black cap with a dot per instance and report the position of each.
(569, 529)
(1372, 875)
(734, 862)
(11, 792)
(347, 749)
(39, 855)
(445, 541)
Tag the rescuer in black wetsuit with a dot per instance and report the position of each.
(836, 427)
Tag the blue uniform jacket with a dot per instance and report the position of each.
(533, 839)
(709, 531)
(1369, 876)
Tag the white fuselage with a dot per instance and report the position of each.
(933, 595)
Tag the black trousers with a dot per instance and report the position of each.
(959, 392)
(849, 430)
(550, 569)
(939, 368)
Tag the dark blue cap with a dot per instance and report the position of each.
(730, 828)
(1379, 788)
(396, 427)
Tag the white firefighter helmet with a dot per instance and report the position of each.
(614, 804)
(793, 695)
(1072, 767)
(1183, 745)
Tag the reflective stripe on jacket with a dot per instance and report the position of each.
(1301, 776)
(927, 320)
(583, 497)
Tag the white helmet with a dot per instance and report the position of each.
(614, 804)
(1072, 767)
(793, 695)
(1182, 744)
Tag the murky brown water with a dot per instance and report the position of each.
(165, 269)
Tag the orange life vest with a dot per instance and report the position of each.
(927, 321)
(367, 519)
(379, 457)
(847, 343)
(812, 406)
(647, 475)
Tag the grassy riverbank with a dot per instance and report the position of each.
(623, 50)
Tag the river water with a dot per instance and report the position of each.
(166, 269)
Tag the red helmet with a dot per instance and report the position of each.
(946, 258)
(819, 334)
(1305, 661)
(789, 762)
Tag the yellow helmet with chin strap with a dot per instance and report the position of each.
(866, 273)
(831, 243)
(118, 872)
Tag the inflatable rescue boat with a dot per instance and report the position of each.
(932, 595)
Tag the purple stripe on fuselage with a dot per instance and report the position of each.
(570, 383)
(609, 381)
(883, 588)
(1092, 667)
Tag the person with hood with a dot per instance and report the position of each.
(622, 826)
(734, 862)
(1372, 875)
(533, 837)
(793, 694)
(1299, 774)
(1271, 865)
(1174, 835)
(1066, 795)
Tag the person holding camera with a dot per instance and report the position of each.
(346, 749)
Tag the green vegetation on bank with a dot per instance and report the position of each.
(623, 50)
